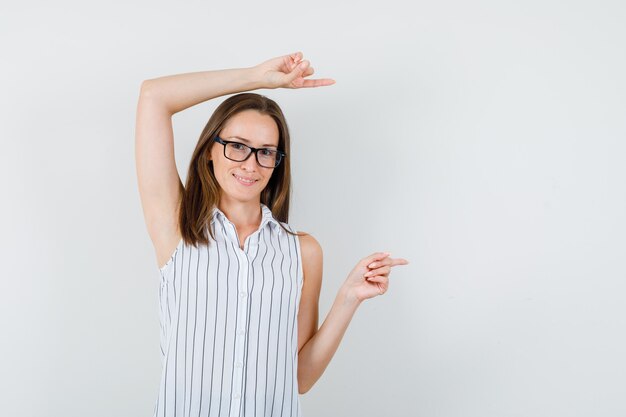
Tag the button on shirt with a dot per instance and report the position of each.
(224, 355)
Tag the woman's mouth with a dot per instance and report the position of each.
(245, 181)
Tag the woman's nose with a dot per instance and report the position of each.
(250, 164)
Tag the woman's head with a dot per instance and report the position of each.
(253, 120)
(244, 180)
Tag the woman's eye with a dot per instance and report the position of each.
(266, 152)
(237, 146)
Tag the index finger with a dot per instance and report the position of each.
(398, 261)
(318, 83)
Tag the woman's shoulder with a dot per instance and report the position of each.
(309, 246)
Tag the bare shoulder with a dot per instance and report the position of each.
(309, 245)
(311, 250)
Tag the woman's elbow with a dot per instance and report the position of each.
(303, 387)
(146, 88)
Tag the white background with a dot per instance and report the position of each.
(483, 141)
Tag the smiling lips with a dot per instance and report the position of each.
(245, 181)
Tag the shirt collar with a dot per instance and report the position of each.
(266, 217)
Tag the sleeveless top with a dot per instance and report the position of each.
(229, 337)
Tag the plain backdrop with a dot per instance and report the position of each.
(483, 141)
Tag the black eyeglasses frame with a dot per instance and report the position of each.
(280, 154)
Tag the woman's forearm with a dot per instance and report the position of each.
(316, 354)
(181, 91)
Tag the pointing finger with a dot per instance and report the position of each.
(399, 261)
(322, 82)
(388, 261)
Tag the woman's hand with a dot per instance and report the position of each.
(370, 277)
(288, 71)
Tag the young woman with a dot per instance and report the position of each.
(239, 287)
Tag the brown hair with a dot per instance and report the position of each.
(202, 191)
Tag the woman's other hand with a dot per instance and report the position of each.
(370, 277)
(289, 71)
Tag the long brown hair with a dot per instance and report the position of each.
(202, 191)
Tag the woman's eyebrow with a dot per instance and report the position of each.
(247, 141)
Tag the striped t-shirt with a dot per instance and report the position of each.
(229, 337)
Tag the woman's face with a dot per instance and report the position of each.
(250, 128)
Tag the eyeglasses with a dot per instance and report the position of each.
(237, 151)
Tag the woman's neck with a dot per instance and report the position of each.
(242, 214)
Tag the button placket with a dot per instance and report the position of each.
(242, 281)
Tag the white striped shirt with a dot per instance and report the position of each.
(229, 344)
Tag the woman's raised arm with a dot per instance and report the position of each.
(160, 187)
(181, 91)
